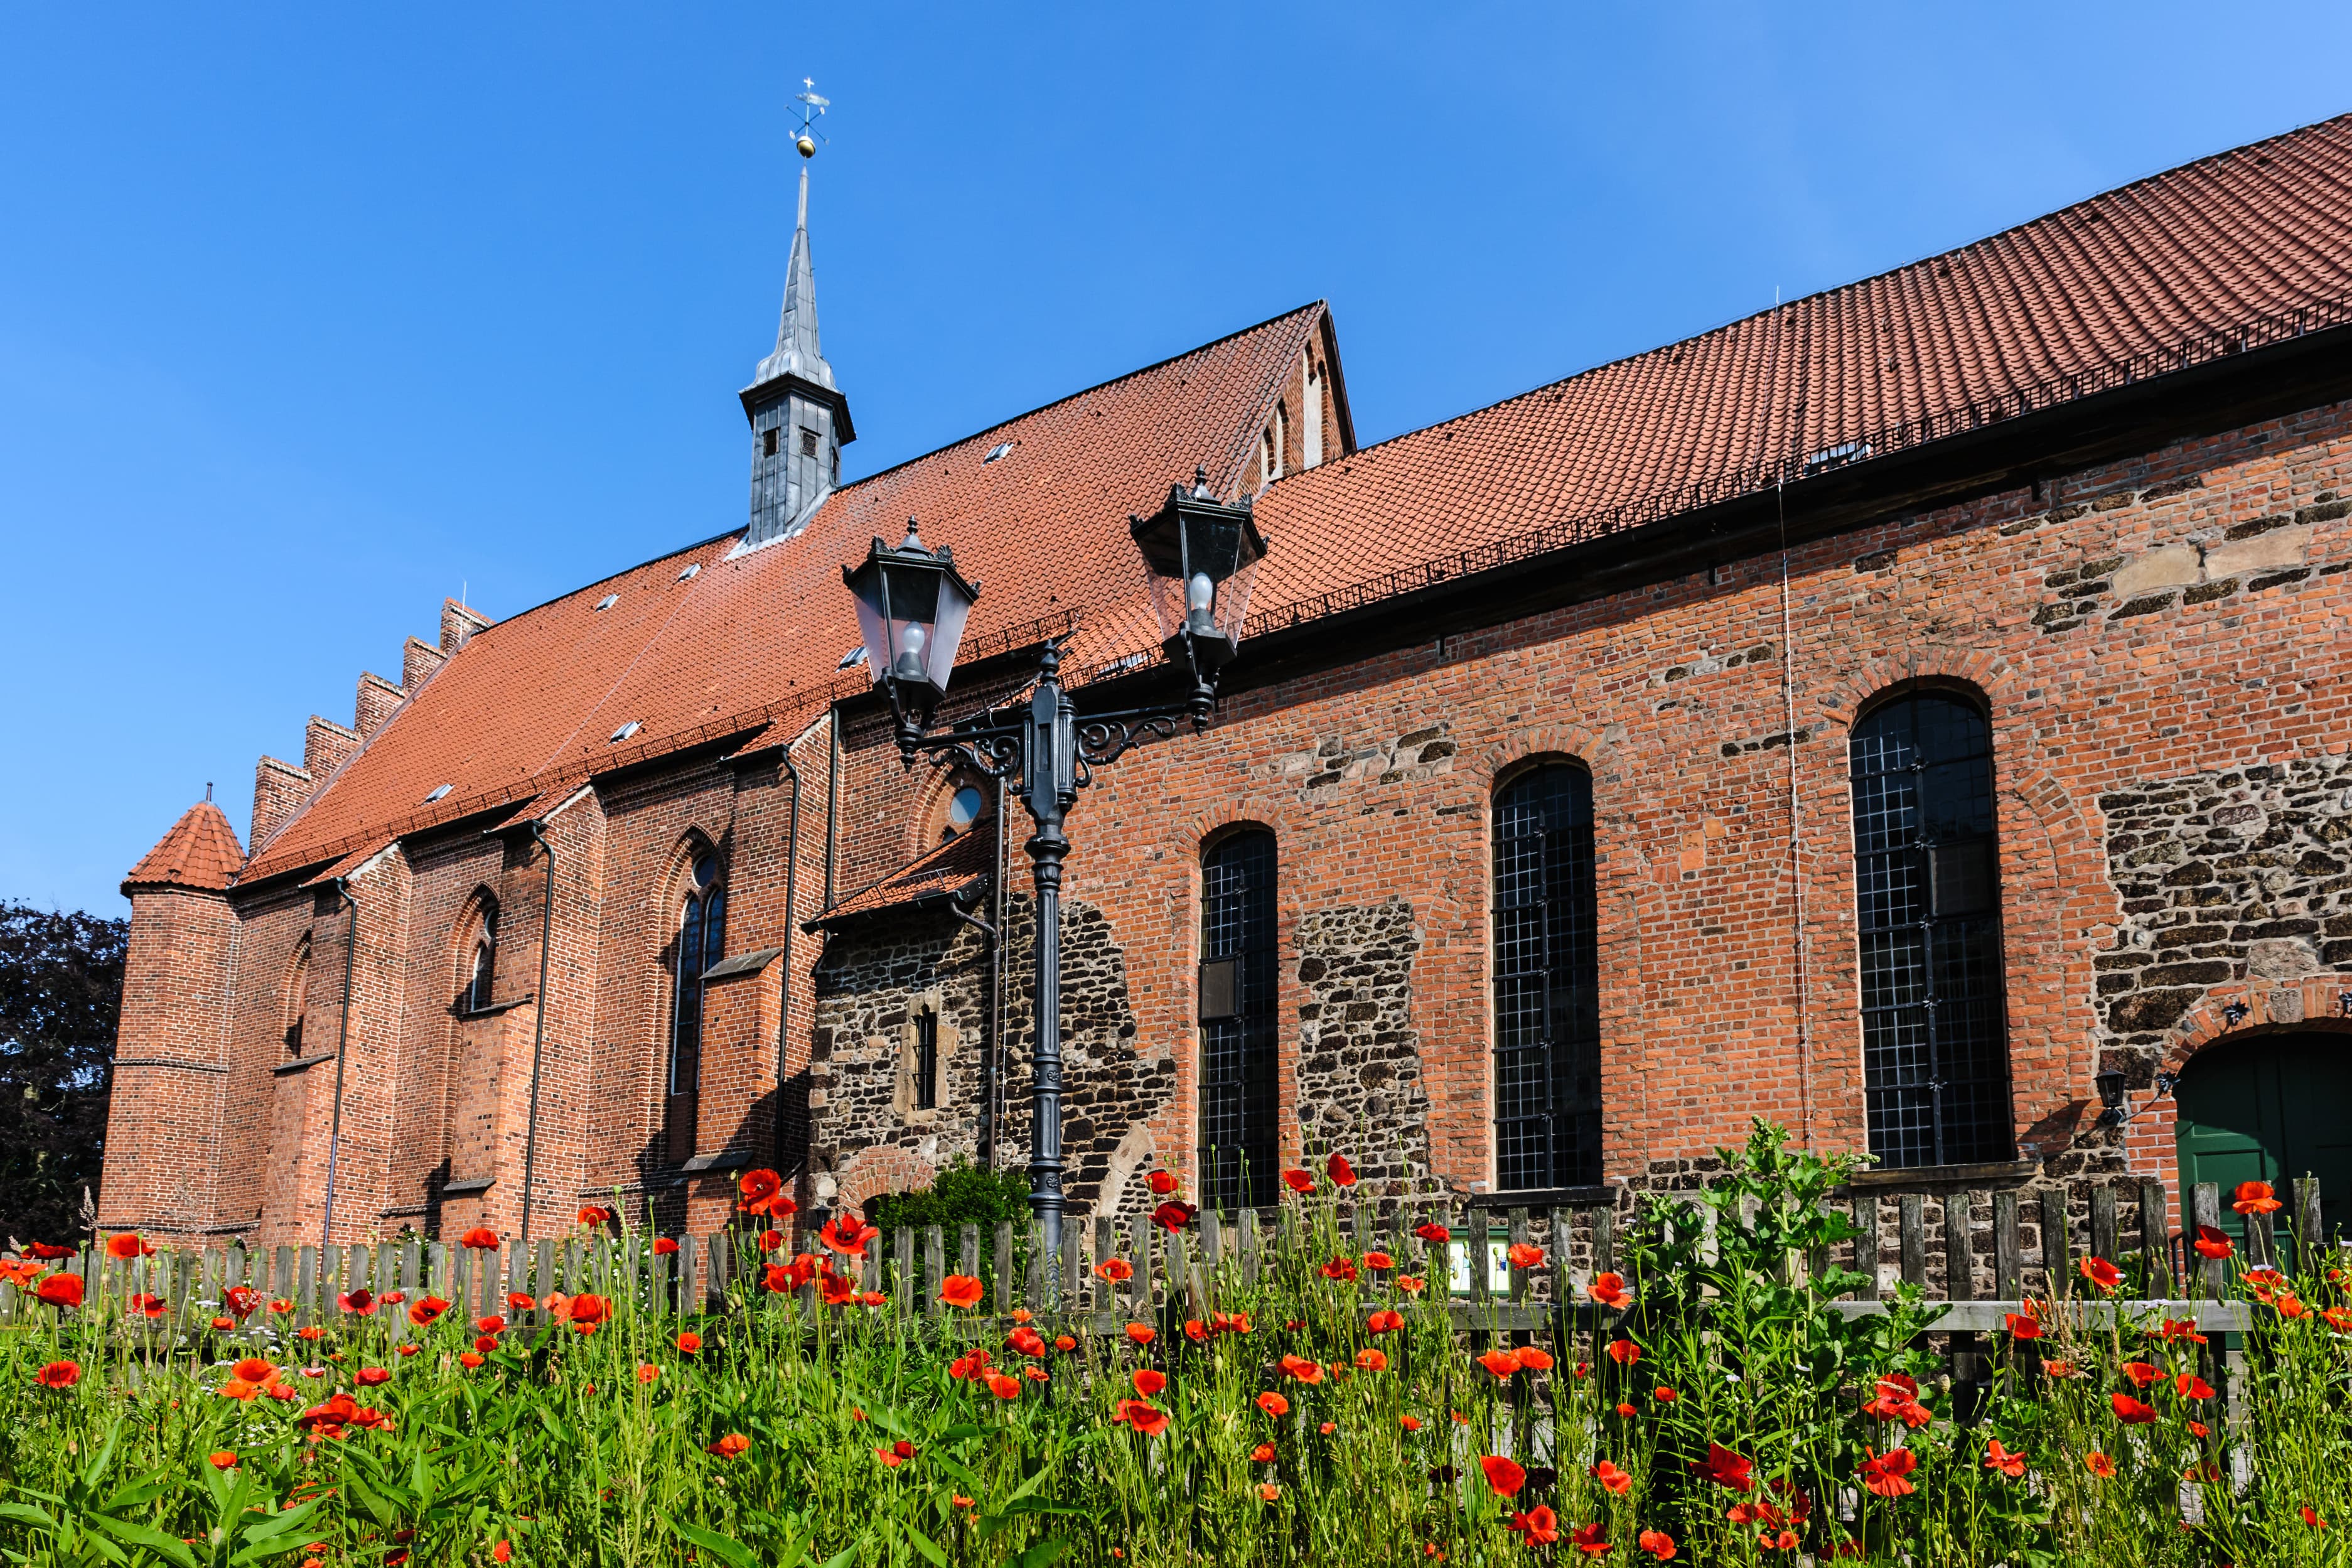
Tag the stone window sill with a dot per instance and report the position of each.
(469, 1186)
(496, 1007)
(1537, 1199)
(1986, 1172)
(725, 1160)
(301, 1064)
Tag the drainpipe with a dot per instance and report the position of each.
(832, 796)
(343, 1039)
(996, 992)
(539, 1026)
(791, 920)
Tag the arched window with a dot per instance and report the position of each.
(965, 804)
(297, 998)
(1547, 983)
(925, 1068)
(1935, 1055)
(1238, 954)
(482, 961)
(701, 941)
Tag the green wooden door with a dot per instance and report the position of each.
(2268, 1110)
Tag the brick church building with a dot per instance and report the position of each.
(1917, 713)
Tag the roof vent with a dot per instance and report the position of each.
(624, 733)
(1002, 449)
(608, 601)
(1836, 457)
(1128, 661)
(693, 571)
(438, 791)
(853, 658)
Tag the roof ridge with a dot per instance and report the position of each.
(1880, 277)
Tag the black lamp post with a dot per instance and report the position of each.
(911, 607)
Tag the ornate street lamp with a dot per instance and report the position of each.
(911, 608)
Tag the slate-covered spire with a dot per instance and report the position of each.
(800, 421)
(798, 352)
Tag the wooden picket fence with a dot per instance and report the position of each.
(1985, 1254)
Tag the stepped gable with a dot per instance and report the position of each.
(2205, 249)
(200, 851)
(758, 637)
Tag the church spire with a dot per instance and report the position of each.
(800, 421)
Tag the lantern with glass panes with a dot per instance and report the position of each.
(911, 608)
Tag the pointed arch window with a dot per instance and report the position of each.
(1935, 1048)
(1547, 983)
(701, 942)
(1238, 958)
(482, 960)
(297, 998)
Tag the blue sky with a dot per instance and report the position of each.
(310, 315)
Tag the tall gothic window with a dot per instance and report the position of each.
(297, 998)
(1547, 983)
(1934, 1054)
(702, 940)
(1237, 1022)
(482, 962)
(925, 1065)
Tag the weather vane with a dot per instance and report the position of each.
(813, 108)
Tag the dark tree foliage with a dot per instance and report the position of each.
(961, 1194)
(60, 994)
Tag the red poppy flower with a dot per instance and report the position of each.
(1412, 1285)
(2059, 1368)
(2189, 1385)
(516, 1302)
(732, 1444)
(1148, 1420)
(1658, 1544)
(422, 1311)
(1538, 1527)
(590, 1214)
(690, 1342)
(1532, 1359)
(1341, 1269)
(1065, 1342)
(368, 1376)
(49, 1251)
(1409, 1423)
(1502, 1364)
(1162, 1182)
(1266, 1492)
(281, 1306)
(1298, 1181)
(2176, 1329)
(588, 1312)
(2098, 1464)
(1726, 1469)
(1306, 1370)
(1371, 1361)
(222, 1459)
(896, 1454)
(1003, 1387)
(241, 1300)
(2140, 1373)
(1897, 1399)
(2311, 1516)
(664, 1246)
(2252, 1197)
(1114, 1270)
(1262, 1455)
(487, 1343)
(1523, 1256)
(1384, 1322)
(2212, 1243)
(481, 1238)
(1148, 1382)
(1505, 1476)
(1141, 1333)
(2131, 1412)
(1624, 1352)
(763, 1193)
(1173, 1217)
(846, 1234)
(1339, 1169)
(1609, 1290)
(502, 1552)
(1883, 1475)
(58, 1374)
(1585, 1538)
(221, 1325)
(1434, 1234)
(60, 1290)
(493, 1324)
(1274, 1405)
(771, 1240)
(151, 1306)
(312, 1333)
(2101, 1273)
(469, 1359)
(1612, 1479)
(1664, 1395)
(961, 1290)
(1026, 1340)
(2000, 1458)
(2022, 1326)
(356, 1301)
(127, 1245)
(835, 1291)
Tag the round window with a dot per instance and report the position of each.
(965, 807)
(705, 870)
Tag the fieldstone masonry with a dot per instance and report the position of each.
(1360, 1083)
(2242, 875)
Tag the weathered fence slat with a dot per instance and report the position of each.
(1911, 1236)
(1249, 1242)
(1865, 1242)
(2105, 1239)
(2155, 1236)
(2057, 1242)
(2205, 1212)
(2008, 1253)
(935, 1267)
(1520, 1237)
(1959, 1260)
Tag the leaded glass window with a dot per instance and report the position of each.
(1547, 983)
(1238, 954)
(701, 942)
(1935, 1051)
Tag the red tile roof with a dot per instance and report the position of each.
(529, 704)
(200, 851)
(2241, 247)
(962, 861)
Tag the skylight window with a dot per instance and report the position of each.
(1000, 451)
(693, 571)
(1129, 661)
(1837, 456)
(438, 791)
(608, 601)
(853, 658)
(624, 733)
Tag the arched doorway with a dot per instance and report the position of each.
(2268, 1109)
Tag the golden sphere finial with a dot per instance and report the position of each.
(806, 143)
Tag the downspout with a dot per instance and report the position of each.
(996, 993)
(539, 1026)
(791, 920)
(832, 795)
(343, 1039)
